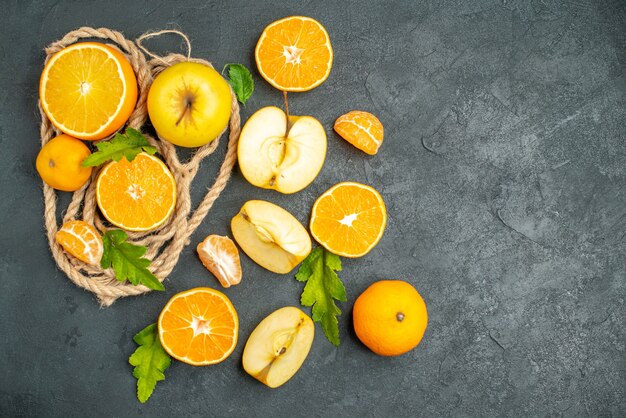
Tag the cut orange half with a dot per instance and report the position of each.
(88, 90)
(349, 219)
(199, 326)
(136, 196)
(294, 54)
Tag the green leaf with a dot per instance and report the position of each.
(150, 361)
(241, 81)
(322, 288)
(127, 145)
(127, 260)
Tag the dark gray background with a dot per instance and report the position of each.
(503, 170)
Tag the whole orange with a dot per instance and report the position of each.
(390, 317)
(59, 163)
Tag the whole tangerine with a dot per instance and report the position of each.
(59, 163)
(390, 317)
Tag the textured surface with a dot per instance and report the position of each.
(504, 173)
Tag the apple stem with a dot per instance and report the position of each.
(286, 111)
(188, 106)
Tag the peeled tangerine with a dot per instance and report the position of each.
(361, 129)
(278, 346)
(270, 236)
(220, 256)
(81, 240)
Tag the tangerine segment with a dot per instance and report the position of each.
(199, 326)
(361, 129)
(81, 240)
(294, 54)
(138, 195)
(88, 90)
(349, 219)
(221, 257)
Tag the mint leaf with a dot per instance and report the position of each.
(150, 361)
(127, 260)
(127, 145)
(322, 288)
(241, 81)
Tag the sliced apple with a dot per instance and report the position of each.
(270, 236)
(278, 156)
(278, 346)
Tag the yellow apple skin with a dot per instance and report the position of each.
(189, 104)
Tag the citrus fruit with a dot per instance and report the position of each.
(221, 257)
(361, 129)
(81, 240)
(294, 54)
(199, 326)
(59, 163)
(88, 90)
(390, 317)
(137, 196)
(349, 219)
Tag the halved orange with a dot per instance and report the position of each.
(199, 326)
(81, 240)
(88, 90)
(361, 129)
(349, 219)
(294, 54)
(137, 196)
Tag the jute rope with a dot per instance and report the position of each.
(166, 243)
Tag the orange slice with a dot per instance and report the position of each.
(349, 219)
(138, 195)
(81, 240)
(199, 326)
(88, 90)
(361, 129)
(221, 257)
(294, 54)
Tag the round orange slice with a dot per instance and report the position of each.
(136, 196)
(199, 326)
(81, 240)
(349, 219)
(88, 90)
(294, 54)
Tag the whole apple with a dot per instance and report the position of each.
(189, 104)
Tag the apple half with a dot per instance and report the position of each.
(285, 157)
(278, 346)
(270, 236)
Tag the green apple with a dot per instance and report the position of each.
(189, 104)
